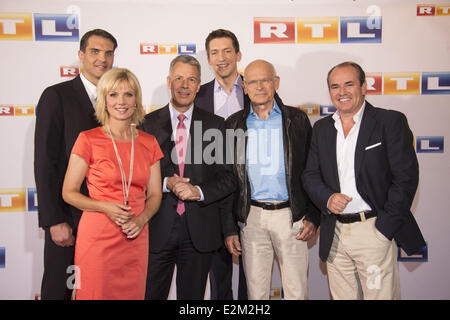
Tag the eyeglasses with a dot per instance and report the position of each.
(254, 83)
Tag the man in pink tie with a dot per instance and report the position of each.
(186, 230)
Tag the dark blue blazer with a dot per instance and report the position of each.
(387, 176)
(205, 97)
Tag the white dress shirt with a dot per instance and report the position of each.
(187, 122)
(345, 156)
(91, 89)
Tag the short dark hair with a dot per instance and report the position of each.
(222, 33)
(359, 71)
(96, 32)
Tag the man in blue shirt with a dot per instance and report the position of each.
(269, 144)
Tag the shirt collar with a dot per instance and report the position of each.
(91, 88)
(174, 112)
(275, 109)
(356, 117)
(237, 84)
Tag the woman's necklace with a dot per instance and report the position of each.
(125, 185)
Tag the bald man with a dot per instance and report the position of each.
(273, 212)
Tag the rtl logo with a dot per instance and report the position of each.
(433, 10)
(430, 144)
(18, 200)
(313, 110)
(317, 29)
(169, 48)
(69, 71)
(47, 27)
(276, 293)
(16, 110)
(2, 257)
(407, 83)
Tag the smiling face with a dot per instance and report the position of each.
(97, 58)
(260, 83)
(346, 91)
(223, 58)
(184, 83)
(121, 102)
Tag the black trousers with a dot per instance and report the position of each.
(57, 261)
(192, 267)
(221, 275)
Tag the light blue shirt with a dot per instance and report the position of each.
(265, 156)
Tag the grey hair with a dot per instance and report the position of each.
(187, 59)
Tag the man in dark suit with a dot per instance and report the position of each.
(362, 173)
(186, 230)
(63, 111)
(223, 96)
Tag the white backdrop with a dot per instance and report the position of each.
(397, 42)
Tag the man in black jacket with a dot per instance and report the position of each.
(362, 173)
(186, 229)
(269, 148)
(64, 110)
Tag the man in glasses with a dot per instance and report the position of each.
(274, 215)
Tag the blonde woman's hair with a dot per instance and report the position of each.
(110, 81)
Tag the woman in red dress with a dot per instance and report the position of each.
(122, 171)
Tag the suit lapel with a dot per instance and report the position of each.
(210, 97)
(193, 148)
(205, 97)
(331, 145)
(83, 100)
(166, 142)
(368, 123)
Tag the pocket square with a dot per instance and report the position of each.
(373, 146)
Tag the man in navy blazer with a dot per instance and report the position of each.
(223, 96)
(63, 111)
(222, 48)
(362, 173)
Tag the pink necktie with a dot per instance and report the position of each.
(180, 145)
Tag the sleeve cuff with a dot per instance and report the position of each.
(202, 197)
